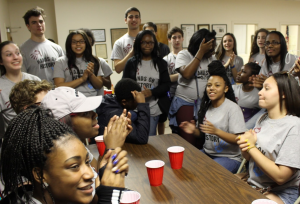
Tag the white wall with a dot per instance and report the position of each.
(72, 14)
(4, 19)
(17, 9)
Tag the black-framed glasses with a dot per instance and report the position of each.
(80, 42)
(271, 43)
(147, 43)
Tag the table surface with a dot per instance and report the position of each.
(200, 180)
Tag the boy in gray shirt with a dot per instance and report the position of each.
(39, 54)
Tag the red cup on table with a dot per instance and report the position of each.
(107, 92)
(100, 144)
(130, 197)
(176, 156)
(263, 201)
(155, 170)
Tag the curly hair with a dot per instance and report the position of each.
(36, 11)
(27, 142)
(215, 68)
(255, 68)
(124, 87)
(24, 93)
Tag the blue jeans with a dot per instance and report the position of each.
(250, 124)
(229, 164)
(153, 125)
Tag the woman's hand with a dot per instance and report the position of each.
(296, 68)
(147, 92)
(205, 47)
(246, 140)
(90, 68)
(117, 167)
(208, 127)
(257, 80)
(188, 127)
(230, 61)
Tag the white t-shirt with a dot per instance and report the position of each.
(39, 58)
(61, 70)
(246, 99)
(229, 118)
(186, 88)
(238, 63)
(148, 76)
(279, 141)
(122, 47)
(275, 67)
(107, 71)
(259, 58)
(6, 111)
(171, 59)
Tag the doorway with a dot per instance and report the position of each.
(162, 32)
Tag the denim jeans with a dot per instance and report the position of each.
(153, 125)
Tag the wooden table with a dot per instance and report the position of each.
(201, 180)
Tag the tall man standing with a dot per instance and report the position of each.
(39, 54)
(123, 47)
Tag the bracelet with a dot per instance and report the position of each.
(198, 59)
(232, 66)
(249, 148)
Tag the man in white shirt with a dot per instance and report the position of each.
(123, 47)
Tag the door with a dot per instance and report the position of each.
(162, 32)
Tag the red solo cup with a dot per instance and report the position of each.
(107, 92)
(100, 144)
(263, 201)
(176, 156)
(130, 197)
(155, 170)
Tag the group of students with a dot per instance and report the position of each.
(195, 88)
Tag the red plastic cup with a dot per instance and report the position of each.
(107, 92)
(100, 144)
(130, 197)
(155, 170)
(263, 201)
(176, 156)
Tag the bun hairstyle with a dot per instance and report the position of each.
(215, 68)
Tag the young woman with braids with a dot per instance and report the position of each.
(272, 147)
(79, 68)
(220, 119)
(54, 162)
(11, 61)
(257, 53)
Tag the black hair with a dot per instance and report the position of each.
(255, 68)
(27, 142)
(283, 51)
(87, 54)
(37, 11)
(215, 68)
(132, 9)
(174, 30)
(124, 87)
(197, 38)
(2, 45)
(138, 54)
(90, 34)
(254, 47)
(150, 24)
(289, 88)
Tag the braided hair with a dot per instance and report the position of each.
(27, 141)
(215, 68)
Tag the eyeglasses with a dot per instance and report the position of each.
(147, 43)
(74, 42)
(271, 43)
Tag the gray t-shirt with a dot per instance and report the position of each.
(171, 59)
(229, 118)
(107, 71)
(186, 88)
(39, 58)
(275, 67)
(279, 141)
(246, 99)
(122, 47)
(259, 58)
(61, 70)
(6, 111)
(148, 76)
(238, 63)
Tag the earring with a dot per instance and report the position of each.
(45, 185)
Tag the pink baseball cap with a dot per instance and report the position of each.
(65, 100)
